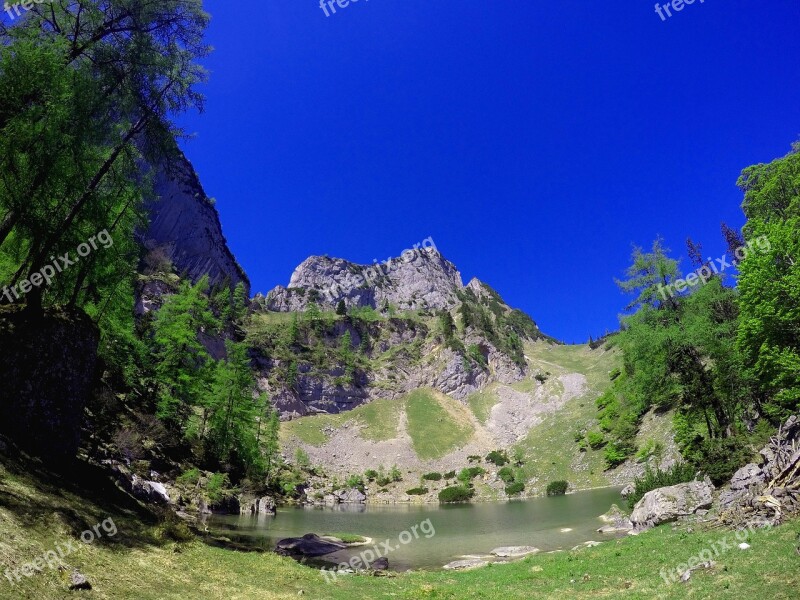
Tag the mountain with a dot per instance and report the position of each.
(185, 226)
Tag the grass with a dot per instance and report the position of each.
(481, 404)
(348, 538)
(140, 562)
(550, 446)
(379, 421)
(437, 424)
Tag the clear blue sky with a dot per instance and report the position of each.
(534, 141)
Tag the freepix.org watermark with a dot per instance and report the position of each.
(665, 10)
(371, 274)
(27, 5)
(46, 274)
(52, 558)
(703, 559)
(329, 6)
(714, 267)
(368, 556)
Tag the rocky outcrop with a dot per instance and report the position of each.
(47, 373)
(770, 491)
(668, 503)
(419, 279)
(465, 564)
(513, 551)
(185, 225)
(253, 505)
(351, 496)
(616, 521)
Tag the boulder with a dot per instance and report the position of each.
(627, 490)
(381, 564)
(616, 521)
(470, 563)
(513, 551)
(257, 505)
(668, 503)
(151, 492)
(351, 496)
(746, 476)
(309, 545)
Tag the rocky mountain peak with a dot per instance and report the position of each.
(418, 279)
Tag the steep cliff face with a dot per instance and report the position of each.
(185, 225)
(410, 324)
(420, 279)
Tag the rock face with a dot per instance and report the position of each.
(352, 496)
(251, 505)
(185, 225)
(47, 373)
(419, 279)
(668, 503)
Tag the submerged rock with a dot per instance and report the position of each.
(309, 545)
(471, 563)
(513, 551)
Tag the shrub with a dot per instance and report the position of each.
(456, 493)
(395, 474)
(515, 488)
(470, 473)
(656, 478)
(190, 477)
(617, 453)
(498, 458)
(720, 458)
(506, 474)
(473, 458)
(355, 481)
(383, 481)
(596, 440)
(371, 474)
(540, 378)
(432, 476)
(557, 488)
(217, 487)
(417, 491)
(450, 475)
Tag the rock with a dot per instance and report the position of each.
(78, 581)
(743, 546)
(627, 490)
(252, 505)
(150, 492)
(513, 551)
(472, 563)
(668, 503)
(382, 564)
(746, 476)
(618, 521)
(351, 496)
(309, 545)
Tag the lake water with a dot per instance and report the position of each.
(462, 529)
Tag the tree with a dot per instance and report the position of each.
(341, 308)
(769, 282)
(183, 367)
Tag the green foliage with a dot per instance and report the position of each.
(475, 354)
(217, 487)
(506, 474)
(450, 475)
(458, 493)
(769, 283)
(497, 457)
(432, 476)
(595, 439)
(341, 308)
(395, 474)
(557, 488)
(189, 478)
(355, 481)
(515, 488)
(417, 491)
(655, 478)
(371, 474)
(470, 473)
(651, 449)
(719, 458)
(301, 459)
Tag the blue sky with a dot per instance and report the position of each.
(534, 141)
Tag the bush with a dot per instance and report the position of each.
(506, 474)
(470, 473)
(515, 488)
(473, 458)
(557, 488)
(617, 453)
(655, 478)
(596, 440)
(540, 378)
(190, 477)
(498, 458)
(355, 481)
(417, 491)
(432, 476)
(450, 475)
(720, 458)
(395, 474)
(456, 493)
(371, 474)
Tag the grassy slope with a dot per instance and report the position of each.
(36, 514)
(550, 446)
